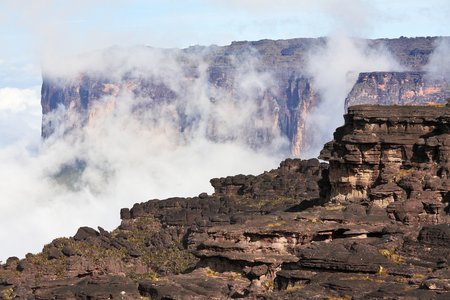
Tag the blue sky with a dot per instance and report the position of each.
(32, 29)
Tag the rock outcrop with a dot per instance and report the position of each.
(284, 95)
(373, 224)
(393, 157)
(152, 240)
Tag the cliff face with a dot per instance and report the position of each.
(287, 97)
(279, 91)
(398, 88)
(374, 223)
(395, 157)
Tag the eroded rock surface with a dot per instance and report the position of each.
(373, 224)
(152, 240)
(394, 158)
(399, 88)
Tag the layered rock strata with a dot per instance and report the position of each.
(399, 88)
(284, 92)
(152, 240)
(373, 224)
(393, 157)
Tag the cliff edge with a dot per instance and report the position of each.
(398, 88)
(270, 75)
(373, 223)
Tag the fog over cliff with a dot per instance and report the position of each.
(131, 150)
(128, 153)
(334, 69)
(84, 175)
(439, 63)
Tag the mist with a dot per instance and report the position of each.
(334, 69)
(122, 154)
(131, 147)
(119, 154)
(438, 65)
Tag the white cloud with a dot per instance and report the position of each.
(15, 100)
(127, 157)
(439, 62)
(334, 69)
(130, 159)
(20, 115)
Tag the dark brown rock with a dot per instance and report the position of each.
(382, 155)
(85, 232)
(200, 284)
(203, 195)
(285, 234)
(54, 253)
(101, 287)
(68, 251)
(435, 234)
(346, 257)
(125, 214)
(294, 180)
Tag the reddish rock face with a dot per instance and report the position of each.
(398, 88)
(285, 93)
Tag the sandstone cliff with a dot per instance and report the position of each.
(287, 96)
(373, 224)
(394, 158)
(398, 88)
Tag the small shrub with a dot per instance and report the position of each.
(211, 273)
(418, 276)
(392, 256)
(294, 287)
(366, 277)
(8, 294)
(382, 270)
(268, 285)
(277, 224)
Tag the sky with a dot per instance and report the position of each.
(35, 30)
(38, 33)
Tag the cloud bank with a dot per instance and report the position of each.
(131, 149)
(126, 154)
(438, 65)
(334, 69)
(20, 115)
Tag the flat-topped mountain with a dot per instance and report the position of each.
(373, 223)
(266, 81)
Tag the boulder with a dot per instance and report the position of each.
(84, 233)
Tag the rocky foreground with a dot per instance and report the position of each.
(374, 223)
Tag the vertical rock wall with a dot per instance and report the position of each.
(393, 157)
(398, 88)
(289, 95)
